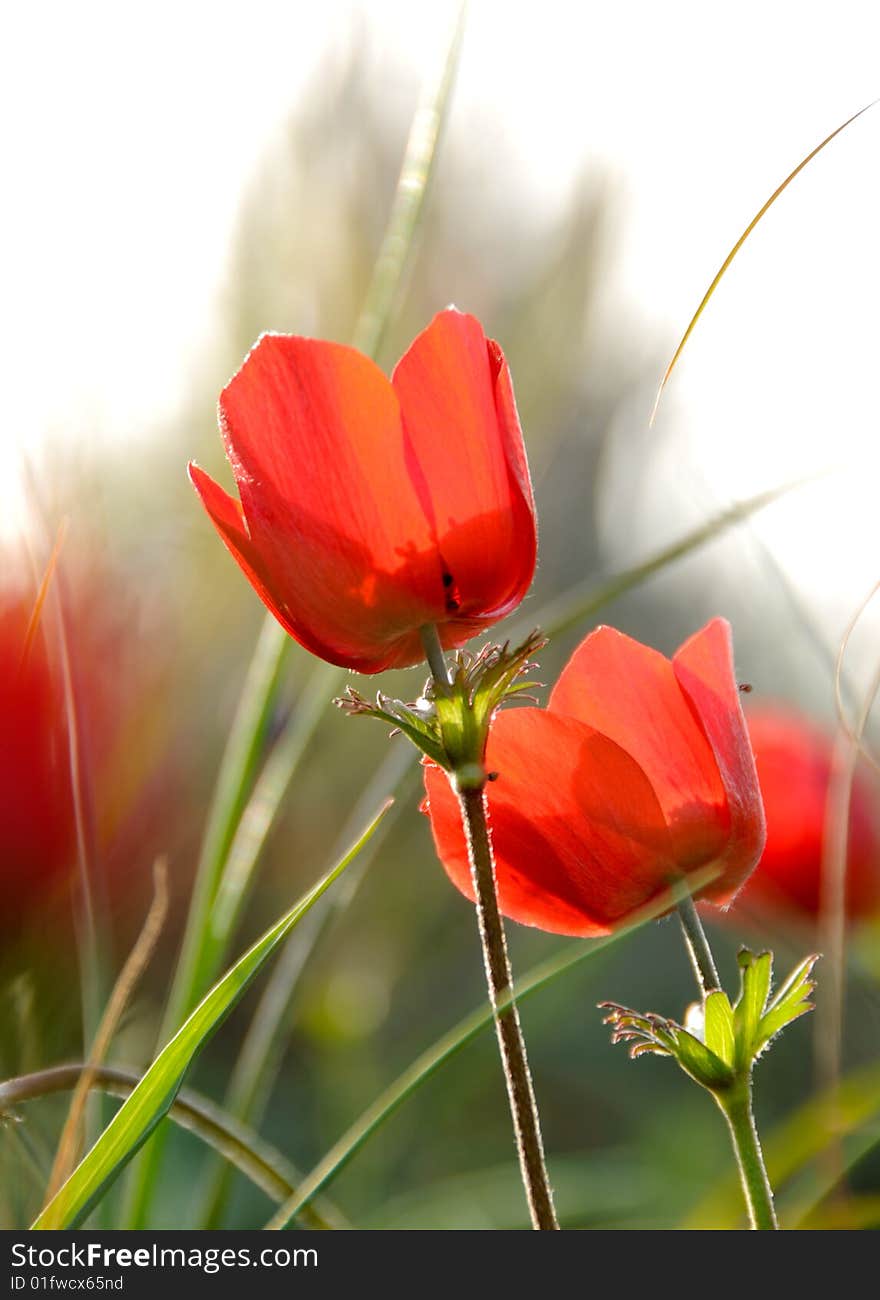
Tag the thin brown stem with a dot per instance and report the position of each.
(705, 970)
(523, 1107)
(134, 967)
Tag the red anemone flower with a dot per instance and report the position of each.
(637, 772)
(36, 815)
(370, 507)
(794, 758)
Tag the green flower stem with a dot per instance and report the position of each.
(523, 1107)
(736, 1107)
(734, 1102)
(434, 653)
(698, 946)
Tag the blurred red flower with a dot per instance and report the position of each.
(36, 812)
(130, 799)
(794, 758)
(371, 507)
(638, 770)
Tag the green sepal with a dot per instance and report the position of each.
(647, 1032)
(720, 1043)
(718, 1031)
(791, 1002)
(756, 973)
(450, 723)
(417, 721)
(758, 1018)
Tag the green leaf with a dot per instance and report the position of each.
(700, 1061)
(756, 974)
(719, 1026)
(792, 1001)
(138, 1116)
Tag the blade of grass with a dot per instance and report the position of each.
(587, 598)
(152, 1098)
(42, 593)
(452, 1042)
(839, 679)
(258, 818)
(88, 939)
(88, 917)
(828, 1029)
(395, 254)
(739, 243)
(238, 766)
(261, 1163)
(237, 771)
(261, 1054)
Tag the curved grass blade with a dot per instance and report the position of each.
(238, 766)
(395, 254)
(139, 1115)
(848, 728)
(586, 599)
(42, 592)
(237, 771)
(452, 1042)
(262, 1051)
(261, 1163)
(135, 965)
(258, 818)
(739, 243)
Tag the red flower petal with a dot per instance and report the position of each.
(630, 693)
(704, 669)
(465, 452)
(579, 838)
(227, 517)
(314, 436)
(794, 760)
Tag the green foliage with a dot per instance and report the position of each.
(152, 1098)
(791, 1002)
(450, 723)
(722, 1042)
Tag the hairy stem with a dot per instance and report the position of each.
(735, 1103)
(434, 654)
(736, 1106)
(523, 1107)
(698, 946)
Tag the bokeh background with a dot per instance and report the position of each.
(179, 181)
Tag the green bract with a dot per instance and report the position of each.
(450, 723)
(721, 1042)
